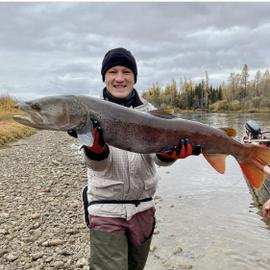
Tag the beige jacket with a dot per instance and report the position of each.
(122, 175)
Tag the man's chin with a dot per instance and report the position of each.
(120, 93)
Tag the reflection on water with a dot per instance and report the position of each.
(209, 221)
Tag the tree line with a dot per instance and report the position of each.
(240, 93)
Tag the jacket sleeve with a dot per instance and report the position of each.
(97, 164)
(160, 162)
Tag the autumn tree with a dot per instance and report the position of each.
(244, 82)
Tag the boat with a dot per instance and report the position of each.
(255, 135)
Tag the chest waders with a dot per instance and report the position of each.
(112, 250)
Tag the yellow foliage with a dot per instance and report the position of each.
(11, 131)
(7, 107)
(7, 103)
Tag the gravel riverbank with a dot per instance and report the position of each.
(41, 221)
(41, 217)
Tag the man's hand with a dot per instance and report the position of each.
(99, 145)
(182, 150)
(266, 209)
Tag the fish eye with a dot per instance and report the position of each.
(35, 106)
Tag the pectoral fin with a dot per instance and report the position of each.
(217, 161)
(85, 134)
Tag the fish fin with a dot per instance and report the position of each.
(257, 167)
(164, 113)
(85, 138)
(217, 161)
(229, 131)
(254, 175)
(85, 134)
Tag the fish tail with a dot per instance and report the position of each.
(255, 168)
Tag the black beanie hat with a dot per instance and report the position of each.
(119, 56)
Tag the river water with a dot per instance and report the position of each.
(205, 220)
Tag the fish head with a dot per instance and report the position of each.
(55, 113)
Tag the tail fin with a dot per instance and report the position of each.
(256, 167)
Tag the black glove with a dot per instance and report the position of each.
(72, 133)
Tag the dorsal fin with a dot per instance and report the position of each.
(164, 113)
(229, 131)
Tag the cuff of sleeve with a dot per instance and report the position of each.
(164, 159)
(96, 156)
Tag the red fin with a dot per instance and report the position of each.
(256, 168)
(254, 175)
(229, 131)
(217, 161)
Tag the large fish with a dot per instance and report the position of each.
(142, 132)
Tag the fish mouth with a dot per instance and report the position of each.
(24, 119)
(29, 117)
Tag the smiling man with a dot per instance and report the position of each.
(119, 73)
(119, 208)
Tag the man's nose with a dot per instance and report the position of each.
(119, 76)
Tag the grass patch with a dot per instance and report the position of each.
(10, 130)
(7, 103)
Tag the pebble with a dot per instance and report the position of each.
(37, 256)
(36, 226)
(11, 257)
(3, 252)
(35, 216)
(3, 231)
(55, 162)
(82, 262)
(52, 243)
(48, 259)
(4, 215)
(59, 264)
(72, 231)
(178, 251)
(65, 252)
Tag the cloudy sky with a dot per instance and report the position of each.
(57, 47)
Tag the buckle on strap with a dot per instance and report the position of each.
(135, 202)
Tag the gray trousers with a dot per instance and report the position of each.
(111, 251)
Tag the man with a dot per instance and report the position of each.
(121, 184)
(266, 209)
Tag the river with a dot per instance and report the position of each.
(205, 220)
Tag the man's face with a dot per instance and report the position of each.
(119, 81)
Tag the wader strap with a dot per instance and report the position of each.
(85, 205)
(136, 202)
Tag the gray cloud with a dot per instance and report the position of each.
(57, 47)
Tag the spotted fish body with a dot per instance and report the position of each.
(142, 132)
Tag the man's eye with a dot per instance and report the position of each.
(112, 71)
(126, 72)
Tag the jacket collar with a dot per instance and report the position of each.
(132, 100)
